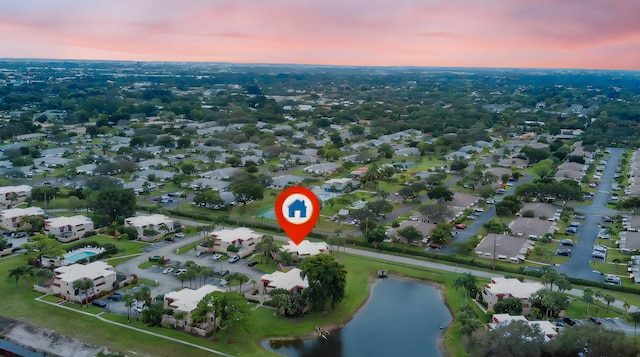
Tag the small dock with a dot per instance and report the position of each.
(382, 273)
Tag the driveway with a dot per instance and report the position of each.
(578, 264)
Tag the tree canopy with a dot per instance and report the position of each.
(327, 280)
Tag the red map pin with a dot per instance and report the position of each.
(297, 210)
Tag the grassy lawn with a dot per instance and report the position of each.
(20, 304)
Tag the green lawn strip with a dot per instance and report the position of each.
(146, 265)
(187, 247)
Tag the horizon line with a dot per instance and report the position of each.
(41, 59)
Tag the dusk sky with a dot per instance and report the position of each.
(599, 34)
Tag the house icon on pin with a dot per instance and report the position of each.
(299, 206)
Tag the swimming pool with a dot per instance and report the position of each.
(79, 256)
(269, 214)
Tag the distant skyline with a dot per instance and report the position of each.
(591, 34)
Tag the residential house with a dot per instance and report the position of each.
(501, 288)
(102, 274)
(531, 227)
(504, 247)
(210, 183)
(541, 210)
(66, 229)
(324, 168)
(407, 151)
(514, 162)
(187, 300)
(305, 249)
(423, 226)
(51, 162)
(291, 281)
(340, 184)
(11, 218)
(359, 172)
(283, 181)
(243, 239)
(150, 227)
(87, 169)
(12, 195)
(546, 327)
(227, 173)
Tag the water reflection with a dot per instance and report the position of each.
(401, 316)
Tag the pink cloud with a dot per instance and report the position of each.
(512, 33)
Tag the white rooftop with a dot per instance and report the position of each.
(547, 328)
(73, 272)
(514, 287)
(12, 189)
(67, 221)
(231, 235)
(187, 299)
(21, 212)
(153, 219)
(288, 280)
(306, 248)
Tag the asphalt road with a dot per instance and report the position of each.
(581, 254)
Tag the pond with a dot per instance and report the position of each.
(6, 348)
(401, 317)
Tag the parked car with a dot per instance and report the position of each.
(200, 253)
(180, 271)
(490, 201)
(179, 235)
(569, 321)
(563, 252)
(607, 219)
(167, 271)
(571, 230)
(234, 259)
(99, 303)
(224, 273)
(216, 256)
(460, 226)
(434, 245)
(115, 297)
(567, 242)
(255, 262)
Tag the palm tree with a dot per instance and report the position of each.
(626, 306)
(549, 277)
(597, 296)
(19, 272)
(144, 294)
(467, 282)
(608, 298)
(587, 297)
(206, 272)
(83, 285)
(635, 318)
(128, 300)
